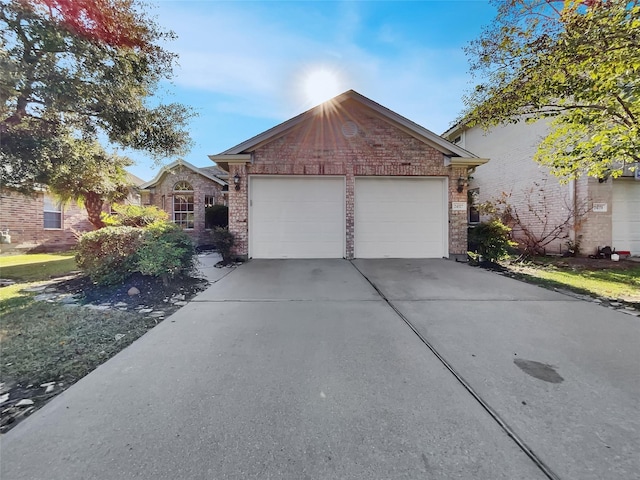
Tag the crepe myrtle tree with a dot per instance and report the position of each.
(74, 75)
(574, 62)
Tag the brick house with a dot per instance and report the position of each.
(184, 191)
(608, 210)
(348, 178)
(39, 222)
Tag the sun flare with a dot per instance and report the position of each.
(321, 85)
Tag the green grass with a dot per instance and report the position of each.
(623, 284)
(33, 267)
(44, 342)
(14, 296)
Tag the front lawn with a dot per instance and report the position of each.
(38, 266)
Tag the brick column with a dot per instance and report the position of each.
(458, 218)
(350, 206)
(239, 210)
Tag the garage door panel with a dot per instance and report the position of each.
(400, 218)
(297, 217)
(626, 216)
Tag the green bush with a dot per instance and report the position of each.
(111, 254)
(108, 255)
(490, 240)
(166, 251)
(223, 240)
(216, 216)
(134, 215)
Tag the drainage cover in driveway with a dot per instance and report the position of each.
(538, 370)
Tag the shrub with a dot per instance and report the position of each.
(108, 255)
(112, 254)
(134, 215)
(216, 216)
(166, 251)
(490, 240)
(223, 240)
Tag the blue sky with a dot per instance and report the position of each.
(245, 66)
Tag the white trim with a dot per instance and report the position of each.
(173, 165)
(59, 212)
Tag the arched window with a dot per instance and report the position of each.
(183, 204)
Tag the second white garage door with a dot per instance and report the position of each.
(626, 216)
(400, 218)
(296, 217)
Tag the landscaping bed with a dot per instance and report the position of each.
(53, 333)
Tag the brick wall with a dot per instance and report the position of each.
(512, 169)
(23, 217)
(541, 201)
(319, 146)
(595, 227)
(201, 186)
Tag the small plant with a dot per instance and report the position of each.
(573, 247)
(490, 240)
(216, 216)
(223, 240)
(134, 215)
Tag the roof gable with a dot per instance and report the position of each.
(412, 128)
(205, 172)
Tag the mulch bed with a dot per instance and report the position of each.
(152, 291)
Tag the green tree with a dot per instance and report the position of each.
(574, 62)
(91, 177)
(74, 73)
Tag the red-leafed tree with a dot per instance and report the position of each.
(75, 73)
(112, 22)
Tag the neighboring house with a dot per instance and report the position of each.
(348, 178)
(39, 222)
(600, 212)
(184, 191)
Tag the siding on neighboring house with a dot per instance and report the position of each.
(23, 217)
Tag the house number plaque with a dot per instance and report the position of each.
(600, 207)
(458, 206)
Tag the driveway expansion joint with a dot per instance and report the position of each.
(283, 300)
(496, 417)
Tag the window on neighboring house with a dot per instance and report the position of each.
(163, 203)
(183, 205)
(52, 213)
(209, 201)
(474, 213)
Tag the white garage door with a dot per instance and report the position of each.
(400, 218)
(296, 217)
(626, 216)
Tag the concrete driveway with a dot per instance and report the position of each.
(304, 369)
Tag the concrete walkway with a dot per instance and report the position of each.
(301, 369)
